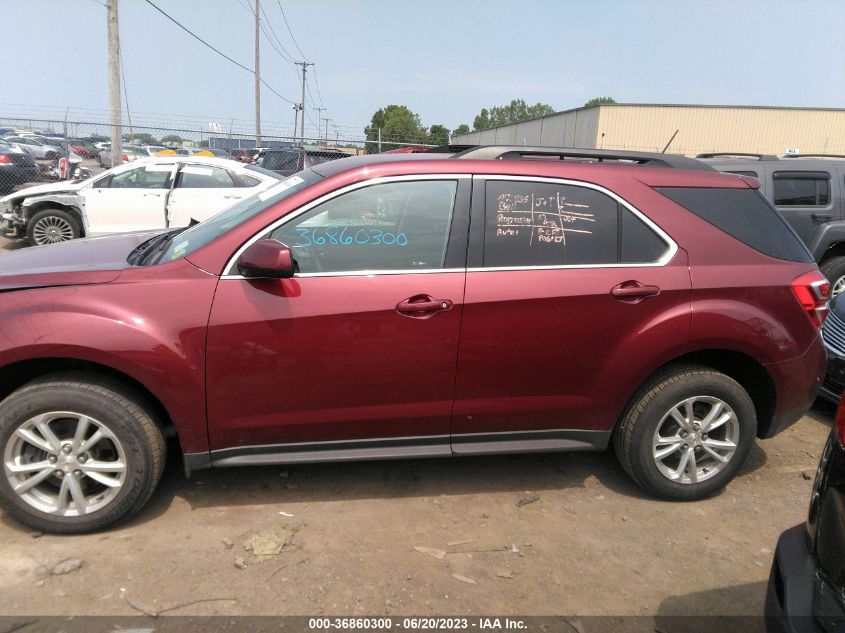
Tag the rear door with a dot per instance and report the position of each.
(570, 293)
(200, 192)
(360, 344)
(130, 200)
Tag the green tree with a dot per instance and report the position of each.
(173, 139)
(463, 128)
(514, 112)
(599, 101)
(398, 124)
(438, 135)
(202, 144)
(482, 121)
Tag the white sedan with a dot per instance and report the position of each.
(150, 193)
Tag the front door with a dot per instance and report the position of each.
(357, 349)
(569, 293)
(131, 200)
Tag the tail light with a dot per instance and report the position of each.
(5, 160)
(812, 291)
(125, 157)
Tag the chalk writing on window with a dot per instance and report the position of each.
(541, 219)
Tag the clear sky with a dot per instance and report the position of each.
(444, 59)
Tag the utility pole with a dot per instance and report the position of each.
(305, 66)
(327, 119)
(114, 83)
(296, 108)
(257, 80)
(320, 122)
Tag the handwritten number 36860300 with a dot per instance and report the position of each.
(349, 236)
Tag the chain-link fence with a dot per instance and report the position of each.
(43, 150)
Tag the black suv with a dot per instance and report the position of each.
(807, 584)
(290, 160)
(809, 191)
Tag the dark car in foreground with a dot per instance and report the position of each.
(417, 305)
(806, 592)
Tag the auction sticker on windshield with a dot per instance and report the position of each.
(282, 186)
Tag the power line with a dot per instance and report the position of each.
(285, 18)
(317, 85)
(288, 57)
(197, 37)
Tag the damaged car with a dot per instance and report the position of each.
(149, 194)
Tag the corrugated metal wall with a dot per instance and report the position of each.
(700, 129)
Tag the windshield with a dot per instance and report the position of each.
(201, 234)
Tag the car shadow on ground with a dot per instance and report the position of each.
(314, 483)
(724, 609)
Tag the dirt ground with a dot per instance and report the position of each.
(426, 537)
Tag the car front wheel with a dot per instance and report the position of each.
(79, 454)
(687, 433)
(51, 226)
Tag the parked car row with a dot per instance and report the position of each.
(149, 193)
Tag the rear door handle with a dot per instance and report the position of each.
(422, 306)
(822, 217)
(633, 291)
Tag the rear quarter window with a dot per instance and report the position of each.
(745, 215)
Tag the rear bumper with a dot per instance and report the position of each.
(797, 384)
(789, 596)
(18, 174)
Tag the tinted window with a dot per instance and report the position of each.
(541, 224)
(393, 226)
(747, 216)
(202, 177)
(640, 245)
(801, 189)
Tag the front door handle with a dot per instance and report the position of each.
(422, 306)
(822, 217)
(633, 291)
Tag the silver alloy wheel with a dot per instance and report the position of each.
(64, 463)
(695, 439)
(838, 286)
(52, 229)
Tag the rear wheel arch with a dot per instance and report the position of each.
(31, 210)
(744, 369)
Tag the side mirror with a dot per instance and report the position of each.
(266, 259)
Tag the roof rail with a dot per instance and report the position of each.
(815, 156)
(738, 155)
(650, 159)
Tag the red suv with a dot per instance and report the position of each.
(496, 300)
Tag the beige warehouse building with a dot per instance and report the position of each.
(649, 127)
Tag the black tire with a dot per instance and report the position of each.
(58, 216)
(834, 270)
(129, 418)
(634, 435)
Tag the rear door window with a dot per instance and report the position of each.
(801, 189)
(546, 224)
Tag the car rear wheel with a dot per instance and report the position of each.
(687, 433)
(834, 270)
(79, 454)
(51, 226)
